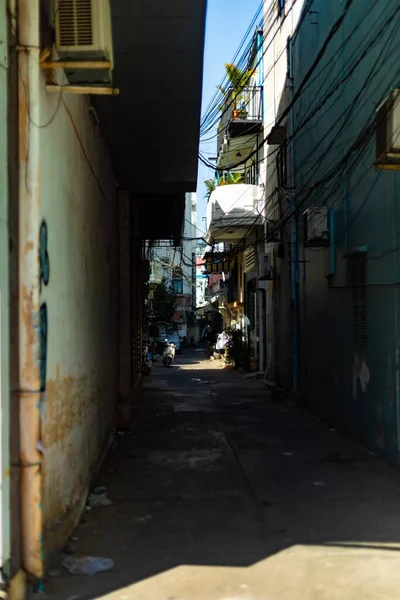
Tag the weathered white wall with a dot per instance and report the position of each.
(79, 233)
(189, 246)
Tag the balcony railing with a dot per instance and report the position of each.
(241, 108)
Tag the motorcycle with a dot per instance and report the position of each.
(168, 355)
(146, 360)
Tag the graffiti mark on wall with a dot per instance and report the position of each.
(44, 280)
(360, 375)
(43, 346)
(44, 255)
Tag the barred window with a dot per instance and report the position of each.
(357, 279)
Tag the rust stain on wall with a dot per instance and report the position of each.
(73, 429)
(29, 319)
(65, 406)
(29, 246)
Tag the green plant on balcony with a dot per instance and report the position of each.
(227, 179)
(211, 185)
(234, 92)
(231, 179)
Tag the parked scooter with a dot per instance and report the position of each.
(147, 359)
(168, 354)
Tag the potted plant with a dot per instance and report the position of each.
(210, 184)
(237, 81)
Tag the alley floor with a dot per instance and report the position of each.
(219, 493)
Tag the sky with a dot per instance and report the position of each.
(227, 23)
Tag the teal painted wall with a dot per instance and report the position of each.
(366, 215)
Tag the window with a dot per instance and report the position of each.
(251, 175)
(177, 286)
(281, 8)
(357, 278)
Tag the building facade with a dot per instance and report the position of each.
(235, 207)
(313, 251)
(73, 274)
(175, 267)
(332, 198)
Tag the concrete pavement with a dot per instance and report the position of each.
(221, 494)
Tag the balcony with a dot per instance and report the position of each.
(241, 122)
(232, 208)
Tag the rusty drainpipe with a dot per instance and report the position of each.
(29, 392)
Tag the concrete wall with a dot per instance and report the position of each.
(277, 95)
(355, 388)
(79, 271)
(189, 246)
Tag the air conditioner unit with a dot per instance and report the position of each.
(264, 268)
(388, 131)
(316, 231)
(273, 232)
(83, 33)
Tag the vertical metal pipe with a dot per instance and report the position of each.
(29, 394)
(260, 61)
(5, 533)
(293, 235)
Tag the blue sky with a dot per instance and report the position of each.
(227, 23)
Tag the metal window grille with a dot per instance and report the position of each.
(357, 279)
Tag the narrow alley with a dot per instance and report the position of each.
(221, 493)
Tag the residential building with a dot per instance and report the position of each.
(332, 190)
(175, 267)
(94, 166)
(235, 207)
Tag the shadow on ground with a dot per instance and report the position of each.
(220, 493)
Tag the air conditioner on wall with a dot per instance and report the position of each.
(388, 131)
(316, 231)
(84, 33)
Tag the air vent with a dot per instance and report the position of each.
(75, 18)
(357, 279)
(249, 260)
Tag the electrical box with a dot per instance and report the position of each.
(316, 229)
(388, 132)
